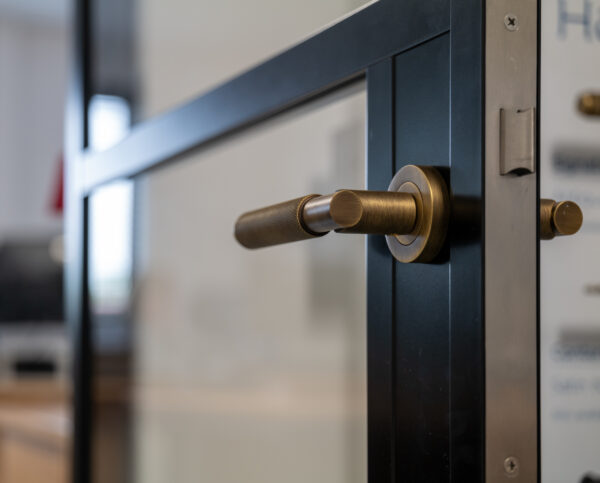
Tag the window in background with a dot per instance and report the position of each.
(109, 118)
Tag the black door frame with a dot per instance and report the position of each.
(361, 46)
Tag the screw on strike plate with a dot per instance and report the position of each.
(511, 466)
(511, 22)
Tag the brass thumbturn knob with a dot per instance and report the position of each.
(559, 218)
(589, 104)
(413, 214)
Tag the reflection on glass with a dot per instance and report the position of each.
(109, 118)
(158, 54)
(235, 365)
(111, 217)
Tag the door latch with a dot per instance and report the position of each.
(517, 141)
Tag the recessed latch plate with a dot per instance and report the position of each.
(517, 141)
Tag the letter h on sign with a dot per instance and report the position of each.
(584, 18)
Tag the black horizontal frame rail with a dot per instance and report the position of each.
(329, 59)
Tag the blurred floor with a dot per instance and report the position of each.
(34, 432)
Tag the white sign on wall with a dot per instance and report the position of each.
(570, 268)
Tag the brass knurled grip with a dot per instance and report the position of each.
(348, 211)
(275, 224)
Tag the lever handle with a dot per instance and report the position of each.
(413, 214)
(273, 225)
(348, 211)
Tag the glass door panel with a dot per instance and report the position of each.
(243, 365)
(151, 55)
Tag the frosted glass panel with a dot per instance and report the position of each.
(151, 55)
(186, 47)
(250, 366)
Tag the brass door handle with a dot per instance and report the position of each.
(559, 218)
(413, 215)
(348, 211)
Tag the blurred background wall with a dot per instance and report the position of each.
(34, 372)
(34, 56)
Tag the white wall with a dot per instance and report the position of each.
(33, 76)
(187, 47)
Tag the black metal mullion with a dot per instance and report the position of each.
(467, 342)
(380, 281)
(76, 221)
(422, 291)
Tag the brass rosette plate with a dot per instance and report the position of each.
(431, 195)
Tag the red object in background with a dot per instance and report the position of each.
(57, 203)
